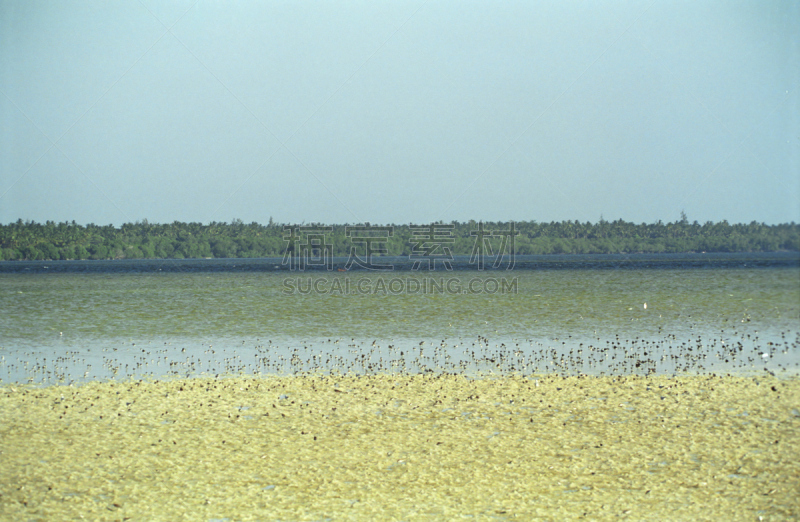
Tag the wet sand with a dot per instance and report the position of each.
(403, 447)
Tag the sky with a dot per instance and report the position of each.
(399, 112)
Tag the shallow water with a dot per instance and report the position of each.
(529, 444)
(63, 326)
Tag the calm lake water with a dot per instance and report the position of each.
(76, 321)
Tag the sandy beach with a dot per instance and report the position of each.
(403, 447)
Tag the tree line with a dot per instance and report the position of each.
(29, 240)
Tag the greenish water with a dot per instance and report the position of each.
(58, 314)
(34, 309)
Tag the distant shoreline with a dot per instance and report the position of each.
(460, 264)
(31, 241)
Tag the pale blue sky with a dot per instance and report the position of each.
(398, 112)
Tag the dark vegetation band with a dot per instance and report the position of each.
(63, 241)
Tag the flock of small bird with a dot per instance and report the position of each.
(664, 354)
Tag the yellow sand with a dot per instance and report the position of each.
(410, 448)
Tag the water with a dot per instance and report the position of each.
(76, 321)
(461, 263)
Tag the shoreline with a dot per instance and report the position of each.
(403, 446)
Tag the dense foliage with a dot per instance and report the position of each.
(52, 241)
